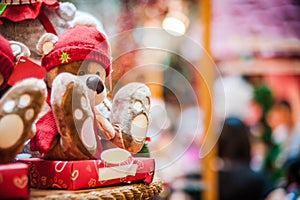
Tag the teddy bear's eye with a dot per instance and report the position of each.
(98, 73)
(81, 73)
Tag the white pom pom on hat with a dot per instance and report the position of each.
(85, 21)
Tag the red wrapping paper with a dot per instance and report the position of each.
(25, 68)
(13, 181)
(73, 175)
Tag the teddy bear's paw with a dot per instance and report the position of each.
(73, 114)
(129, 114)
(118, 139)
(18, 110)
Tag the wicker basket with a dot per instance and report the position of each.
(124, 192)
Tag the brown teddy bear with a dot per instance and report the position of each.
(20, 105)
(77, 63)
(27, 20)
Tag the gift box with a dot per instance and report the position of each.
(13, 180)
(72, 175)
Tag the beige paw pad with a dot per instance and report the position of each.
(24, 101)
(139, 127)
(9, 106)
(138, 106)
(87, 134)
(11, 129)
(78, 114)
(29, 114)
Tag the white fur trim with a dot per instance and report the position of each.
(34, 83)
(46, 43)
(66, 11)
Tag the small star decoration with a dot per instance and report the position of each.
(64, 57)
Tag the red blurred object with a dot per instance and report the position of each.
(148, 139)
(13, 181)
(25, 68)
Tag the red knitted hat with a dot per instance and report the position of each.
(6, 60)
(79, 43)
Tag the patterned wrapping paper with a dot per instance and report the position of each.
(13, 181)
(73, 175)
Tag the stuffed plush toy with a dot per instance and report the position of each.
(27, 20)
(130, 116)
(77, 63)
(20, 105)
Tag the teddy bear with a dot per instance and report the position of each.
(27, 20)
(19, 105)
(77, 64)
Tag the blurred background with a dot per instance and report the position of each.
(208, 62)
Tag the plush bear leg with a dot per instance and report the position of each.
(74, 118)
(19, 108)
(129, 115)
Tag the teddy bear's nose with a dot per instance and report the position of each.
(95, 83)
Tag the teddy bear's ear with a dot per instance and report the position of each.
(46, 43)
(19, 49)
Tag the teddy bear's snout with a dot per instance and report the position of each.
(94, 83)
